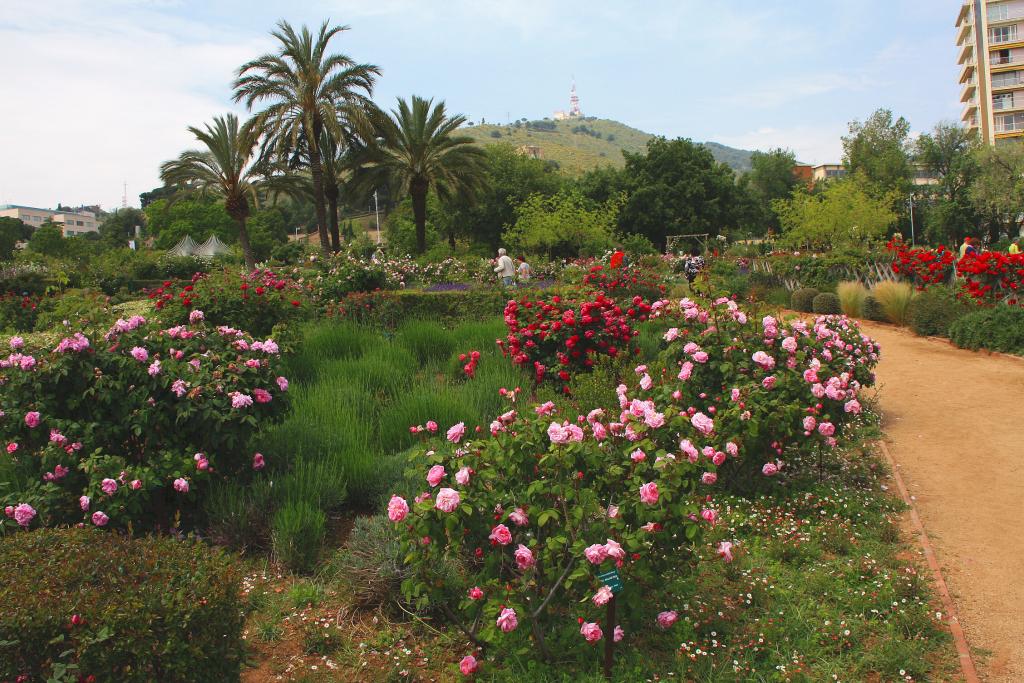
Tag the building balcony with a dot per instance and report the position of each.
(1003, 106)
(965, 13)
(967, 73)
(1002, 85)
(971, 123)
(1002, 16)
(966, 53)
(1000, 39)
(970, 111)
(1002, 63)
(970, 90)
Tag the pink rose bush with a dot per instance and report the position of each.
(102, 429)
(553, 500)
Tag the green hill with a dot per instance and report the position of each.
(578, 145)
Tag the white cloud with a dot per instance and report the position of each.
(99, 98)
(812, 144)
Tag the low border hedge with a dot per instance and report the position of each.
(81, 603)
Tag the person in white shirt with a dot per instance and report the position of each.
(523, 271)
(505, 269)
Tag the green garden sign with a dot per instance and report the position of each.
(612, 580)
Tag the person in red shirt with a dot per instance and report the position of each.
(616, 260)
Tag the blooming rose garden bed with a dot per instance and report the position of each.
(711, 490)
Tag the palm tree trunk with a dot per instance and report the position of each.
(418, 193)
(317, 176)
(332, 217)
(243, 240)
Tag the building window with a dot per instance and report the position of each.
(998, 12)
(1003, 34)
(1003, 80)
(1001, 57)
(1003, 101)
(81, 223)
(1009, 123)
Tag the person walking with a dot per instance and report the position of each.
(505, 269)
(1014, 247)
(967, 248)
(523, 271)
(693, 266)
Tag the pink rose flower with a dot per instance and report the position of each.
(637, 456)
(763, 360)
(596, 553)
(545, 408)
(32, 419)
(24, 514)
(685, 371)
(154, 368)
(613, 550)
(708, 478)
(262, 396)
(602, 596)
(100, 519)
(524, 557)
(136, 484)
(11, 447)
(282, 383)
(179, 388)
(397, 509)
(431, 426)
(456, 432)
(702, 423)
(810, 423)
(770, 469)
(475, 593)
(768, 382)
(195, 316)
(435, 474)
(468, 665)
(852, 406)
(181, 485)
(258, 463)
(646, 382)
(701, 356)
(447, 500)
(83, 502)
(618, 634)
(591, 631)
(725, 551)
(649, 493)
(140, 354)
(708, 515)
(462, 476)
(240, 400)
(501, 535)
(518, 517)
(666, 619)
(17, 342)
(507, 620)
(108, 486)
(557, 433)
(789, 344)
(826, 429)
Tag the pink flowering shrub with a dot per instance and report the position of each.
(536, 509)
(756, 389)
(131, 428)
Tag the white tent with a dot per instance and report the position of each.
(212, 247)
(186, 247)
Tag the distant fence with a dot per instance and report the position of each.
(871, 273)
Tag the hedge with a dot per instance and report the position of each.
(81, 603)
(803, 299)
(826, 303)
(997, 329)
(389, 309)
(873, 310)
(932, 313)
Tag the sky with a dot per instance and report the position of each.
(97, 93)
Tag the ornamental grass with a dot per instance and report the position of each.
(895, 299)
(851, 298)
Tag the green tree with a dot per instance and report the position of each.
(842, 214)
(677, 187)
(564, 225)
(162, 192)
(510, 178)
(878, 150)
(170, 221)
(418, 151)
(949, 154)
(603, 183)
(305, 88)
(48, 239)
(119, 227)
(224, 169)
(771, 177)
(12, 231)
(267, 231)
(998, 190)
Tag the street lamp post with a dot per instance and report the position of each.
(376, 214)
(912, 243)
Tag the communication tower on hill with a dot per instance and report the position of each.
(574, 106)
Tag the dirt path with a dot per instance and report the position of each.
(954, 423)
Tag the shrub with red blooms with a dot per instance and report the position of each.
(993, 276)
(132, 427)
(471, 360)
(558, 338)
(921, 266)
(19, 312)
(255, 302)
(624, 282)
(535, 512)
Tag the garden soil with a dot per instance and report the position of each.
(954, 424)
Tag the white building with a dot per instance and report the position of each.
(72, 223)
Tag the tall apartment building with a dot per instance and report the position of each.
(990, 51)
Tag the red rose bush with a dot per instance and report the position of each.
(130, 428)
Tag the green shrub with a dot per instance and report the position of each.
(932, 312)
(894, 298)
(826, 303)
(83, 309)
(873, 309)
(298, 534)
(371, 565)
(803, 299)
(319, 481)
(327, 341)
(388, 310)
(238, 517)
(421, 404)
(851, 298)
(427, 340)
(996, 329)
(151, 609)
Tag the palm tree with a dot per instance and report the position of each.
(226, 169)
(416, 151)
(305, 88)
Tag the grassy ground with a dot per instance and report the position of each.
(823, 587)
